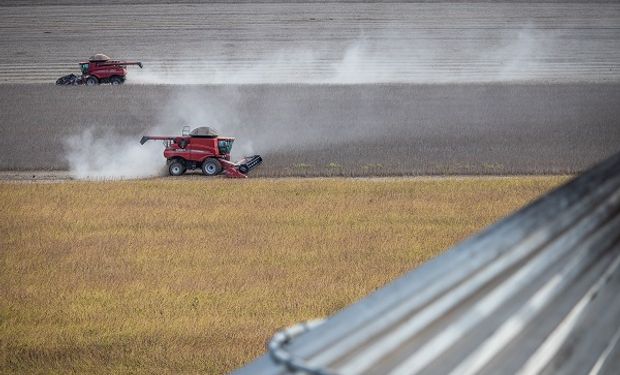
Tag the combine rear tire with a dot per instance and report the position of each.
(176, 168)
(92, 81)
(116, 80)
(211, 167)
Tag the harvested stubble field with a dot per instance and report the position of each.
(179, 276)
(327, 130)
(462, 87)
(315, 41)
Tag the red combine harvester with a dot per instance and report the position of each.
(99, 69)
(203, 148)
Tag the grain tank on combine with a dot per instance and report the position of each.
(203, 148)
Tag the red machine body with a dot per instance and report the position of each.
(99, 69)
(203, 148)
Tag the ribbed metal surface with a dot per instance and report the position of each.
(534, 293)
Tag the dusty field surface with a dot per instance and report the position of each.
(313, 130)
(396, 88)
(177, 277)
(255, 42)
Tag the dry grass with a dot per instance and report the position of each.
(188, 276)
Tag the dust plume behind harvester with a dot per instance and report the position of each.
(203, 148)
(97, 70)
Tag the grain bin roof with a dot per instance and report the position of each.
(535, 292)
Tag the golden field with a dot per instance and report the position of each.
(193, 276)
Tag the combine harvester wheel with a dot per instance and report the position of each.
(92, 81)
(211, 167)
(116, 80)
(176, 168)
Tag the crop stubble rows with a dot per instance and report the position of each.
(347, 130)
(407, 42)
(388, 129)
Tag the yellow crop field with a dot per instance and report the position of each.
(193, 276)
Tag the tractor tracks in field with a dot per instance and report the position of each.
(303, 42)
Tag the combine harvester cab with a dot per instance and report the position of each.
(99, 69)
(203, 148)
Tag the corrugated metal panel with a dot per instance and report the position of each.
(537, 292)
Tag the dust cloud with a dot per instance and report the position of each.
(97, 154)
(104, 155)
(513, 55)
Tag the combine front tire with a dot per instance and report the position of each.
(176, 168)
(211, 167)
(92, 81)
